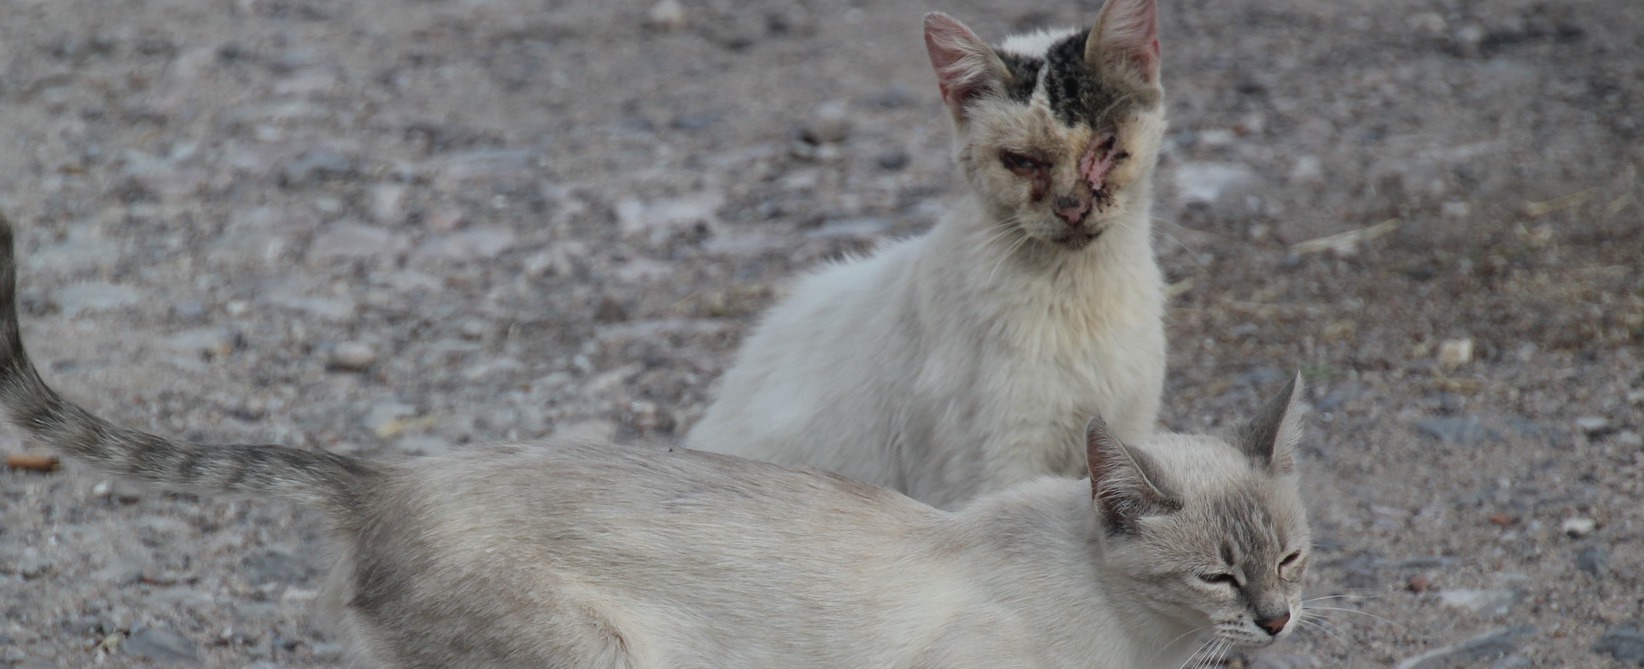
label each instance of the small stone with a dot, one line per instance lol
(86, 297)
(1503, 519)
(1630, 439)
(1209, 182)
(1490, 603)
(667, 15)
(1418, 583)
(1456, 209)
(474, 328)
(1454, 429)
(1592, 425)
(388, 419)
(1454, 353)
(1591, 560)
(1472, 652)
(475, 243)
(893, 160)
(352, 356)
(352, 240)
(1431, 24)
(316, 165)
(1624, 643)
(1579, 527)
(388, 203)
(1308, 169)
(830, 123)
(161, 645)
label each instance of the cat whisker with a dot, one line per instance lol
(1362, 613)
(1202, 647)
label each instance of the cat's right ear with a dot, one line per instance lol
(1122, 480)
(1270, 438)
(1125, 41)
(965, 65)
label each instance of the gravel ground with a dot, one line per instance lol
(385, 227)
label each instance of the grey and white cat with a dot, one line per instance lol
(592, 556)
(968, 358)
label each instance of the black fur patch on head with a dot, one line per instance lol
(1024, 75)
(1077, 93)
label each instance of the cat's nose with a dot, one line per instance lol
(1275, 624)
(1072, 210)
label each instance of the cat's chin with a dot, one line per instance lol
(1075, 240)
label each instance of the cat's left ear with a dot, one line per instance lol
(1123, 480)
(965, 65)
(1270, 438)
(1125, 41)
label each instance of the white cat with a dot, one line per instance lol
(597, 556)
(968, 358)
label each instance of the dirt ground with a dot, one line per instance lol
(389, 226)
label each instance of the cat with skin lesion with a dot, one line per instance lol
(968, 358)
(600, 556)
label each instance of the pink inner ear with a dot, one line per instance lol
(1093, 166)
(957, 72)
(1130, 31)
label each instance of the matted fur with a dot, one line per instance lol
(968, 358)
(596, 556)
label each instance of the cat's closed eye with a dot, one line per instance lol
(1021, 164)
(1220, 579)
(1290, 559)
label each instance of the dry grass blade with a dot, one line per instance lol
(1346, 243)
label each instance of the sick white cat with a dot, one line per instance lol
(596, 556)
(968, 358)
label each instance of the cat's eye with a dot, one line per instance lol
(1019, 163)
(1223, 578)
(1121, 156)
(1290, 559)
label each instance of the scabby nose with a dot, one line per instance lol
(1275, 624)
(1072, 210)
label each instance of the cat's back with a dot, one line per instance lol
(685, 556)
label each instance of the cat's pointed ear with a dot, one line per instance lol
(1123, 481)
(1125, 41)
(965, 65)
(1270, 438)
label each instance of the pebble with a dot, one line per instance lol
(1207, 183)
(1579, 527)
(1629, 439)
(1454, 353)
(667, 15)
(81, 298)
(352, 356)
(1592, 425)
(1464, 430)
(276, 566)
(1591, 560)
(161, 645)
(475, 243)
(1472, 652)
(388, 203)
(892, 160)
(830, 123)
(353, 240)
(1624, 643)
(1488, 603)
(316, 165)
(661, 219)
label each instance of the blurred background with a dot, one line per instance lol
(399, 227)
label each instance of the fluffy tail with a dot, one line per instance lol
(319, 479)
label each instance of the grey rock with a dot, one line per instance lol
(1207, 182)
(215, 341)
(162, 646)
(388, 202)
(1624, 643)
(276, 566)
(471, 244)
(893, 160)
(1592, 560)
(661, 219)
(1629, 439)
(1494, 644)
(1483, 602)
(316, 165)
(95, 296)
(1464, 430)
(352, 240)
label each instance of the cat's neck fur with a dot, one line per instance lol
(1050, 521)
(1031, 289)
